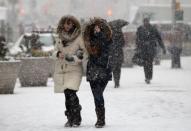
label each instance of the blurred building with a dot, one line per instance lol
(157, 13)
(44, 13)
(47, 12)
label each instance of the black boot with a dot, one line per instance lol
(147, 81)
(69, 117)
(100, 112)
(116, 86)
(74, 108)
(116, 83)
(76, 116)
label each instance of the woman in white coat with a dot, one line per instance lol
(68, 54)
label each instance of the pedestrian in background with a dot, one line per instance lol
(175, 48)
(116, 49)
(147, 37)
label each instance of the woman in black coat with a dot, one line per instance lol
(97, 38)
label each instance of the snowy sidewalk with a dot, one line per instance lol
(165, 105)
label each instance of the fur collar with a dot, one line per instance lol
(65, 36)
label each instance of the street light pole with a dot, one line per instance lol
(173, 12)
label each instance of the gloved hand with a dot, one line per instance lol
(79, 54)
(69, 58)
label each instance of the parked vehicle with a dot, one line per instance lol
(38, 41)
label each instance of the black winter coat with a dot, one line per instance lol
(117, 55)
(146, 41)
(98, 66)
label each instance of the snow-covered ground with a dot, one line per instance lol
(165, 105)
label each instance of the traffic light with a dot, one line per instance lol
(178, 7)
(179, 13)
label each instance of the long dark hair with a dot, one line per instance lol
(89, 34)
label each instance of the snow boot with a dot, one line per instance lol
(116, 81)
(147, 81)
(100, 112)
(116, 86)
(69, 117)
(76, 116)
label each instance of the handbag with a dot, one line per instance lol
(138, 58)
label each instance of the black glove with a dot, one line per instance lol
(79, 54)
(69, 58)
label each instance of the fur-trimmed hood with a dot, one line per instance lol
(89, 30)
(90, 27)
(65, 36)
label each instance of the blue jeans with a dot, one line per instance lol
(98, 87)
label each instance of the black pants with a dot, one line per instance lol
(148, 68)
(98, 87)
(175, 56)
(116, 74)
